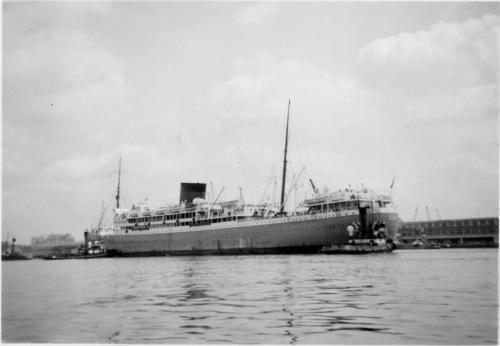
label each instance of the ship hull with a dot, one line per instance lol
(286, 235)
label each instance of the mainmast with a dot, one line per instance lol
(282, 204)
(118, 189)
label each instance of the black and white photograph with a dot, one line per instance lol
(250, 172)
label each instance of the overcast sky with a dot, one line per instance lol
(192, 91)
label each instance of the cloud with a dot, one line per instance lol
(447, 55)
(60, 71)
(256, 14)
(59, 84)
(420, 104)
(267, 83)
(61, 91)
(439, 90)
(327, 114)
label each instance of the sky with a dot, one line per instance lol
(198, 92)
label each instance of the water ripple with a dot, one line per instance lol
(408, 297)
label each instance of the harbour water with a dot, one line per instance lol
(444, 296)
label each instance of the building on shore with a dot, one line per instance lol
(54, 244)
(451, 232)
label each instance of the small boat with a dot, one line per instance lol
(78, 256)
(359, 246)
(13, 255)
(160, 211)
(56, 257)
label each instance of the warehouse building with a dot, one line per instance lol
(452, 232)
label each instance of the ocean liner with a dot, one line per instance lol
(199, 226)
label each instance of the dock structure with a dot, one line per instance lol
(451, 232)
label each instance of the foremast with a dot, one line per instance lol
(118, 188)
(282, 202)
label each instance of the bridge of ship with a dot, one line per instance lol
(351, 200)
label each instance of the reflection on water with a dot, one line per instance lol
(425, 296)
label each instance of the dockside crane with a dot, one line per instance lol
(438, 215)
(415, 215)
(428, 214)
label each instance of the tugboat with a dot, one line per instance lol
(360, 246)
(92, 248)
(12, 255)
(363, 238)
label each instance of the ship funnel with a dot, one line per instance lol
(190, 191)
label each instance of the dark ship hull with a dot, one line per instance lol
(281, 235)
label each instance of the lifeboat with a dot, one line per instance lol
(161, 211)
